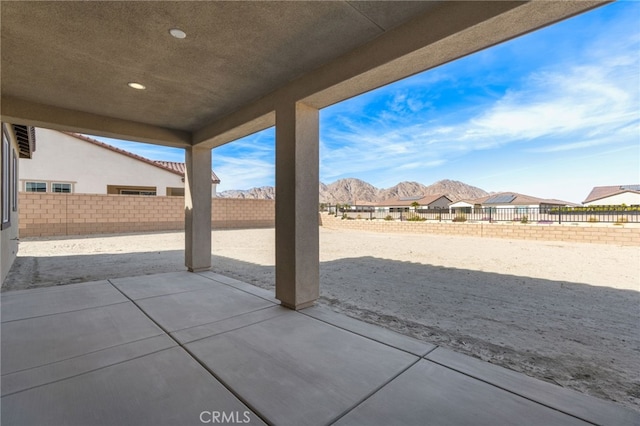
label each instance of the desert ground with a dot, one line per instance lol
(566, 313)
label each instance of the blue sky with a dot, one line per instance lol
(549, 114)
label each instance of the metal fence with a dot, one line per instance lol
(548, 215)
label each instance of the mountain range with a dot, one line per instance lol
(353, 190)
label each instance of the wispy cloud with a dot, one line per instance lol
(247, 162)
(563, 107)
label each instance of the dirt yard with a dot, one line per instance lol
(562, 312)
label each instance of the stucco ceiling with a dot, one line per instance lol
(80, 55)
(234, 52)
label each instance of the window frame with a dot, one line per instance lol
(27, 182)
(70, 191)
(5, 173)
(138, 192)
(14, 177)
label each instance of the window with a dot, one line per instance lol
(131, 190)
(4, 190)
(61, 187)
(134, 192)
(14, 182)
(35, 187)
(175, 192)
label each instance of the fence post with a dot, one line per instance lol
(559, 215)
(490, 215)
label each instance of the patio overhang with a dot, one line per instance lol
(66, 65)
(243, 67)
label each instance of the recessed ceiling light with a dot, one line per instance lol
(177, 33)
(136, 86)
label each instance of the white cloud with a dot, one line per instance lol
(242, 173)
(560, 109)
(246, 163)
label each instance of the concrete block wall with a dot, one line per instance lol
(45, 215)
(242, 213)
(609, 234)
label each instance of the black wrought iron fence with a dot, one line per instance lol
(548, 215)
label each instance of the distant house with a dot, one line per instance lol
(358, 207)
(73, 163)
(506, 200)
(405, 204)
(613, 196)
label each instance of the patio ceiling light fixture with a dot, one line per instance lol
(136, 86)
(177, 33)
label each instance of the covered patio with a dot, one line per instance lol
(197, 75)
(184, 348)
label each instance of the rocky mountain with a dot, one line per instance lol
(261, 193)
(348, 190)
(404, 189)
(355, 190)
(456, 190)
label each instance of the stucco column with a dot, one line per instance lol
(197, 209)
(297, 239)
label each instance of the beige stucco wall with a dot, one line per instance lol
(47, 215)
(63, 158)
(9, 235)
(628, 198)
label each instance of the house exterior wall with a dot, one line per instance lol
(47, 215)
(90, 168)
(511, 206)
(628, 198)
(440, 203)
(8, 202)
(460, 207)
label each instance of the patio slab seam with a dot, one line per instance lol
(163, 295)
(271, 299)
(221, 321)
(81, 355)
(511, 391)
(373, 392)
(196, 359)
(421, 355)
(88, 371)
(225, 319)
(65, 312)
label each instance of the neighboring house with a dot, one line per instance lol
(18, 142)
(69, 162)
(358, 206)
(506, 200)
(613, 196)
(405, 204)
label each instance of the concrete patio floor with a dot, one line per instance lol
(183, 348)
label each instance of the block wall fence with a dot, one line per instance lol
(48, 215)
(584, 233)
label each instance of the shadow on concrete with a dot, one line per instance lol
(576, 335)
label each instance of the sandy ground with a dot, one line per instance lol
(567, 313)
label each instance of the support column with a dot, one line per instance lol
(297, 235)
(197, 209)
